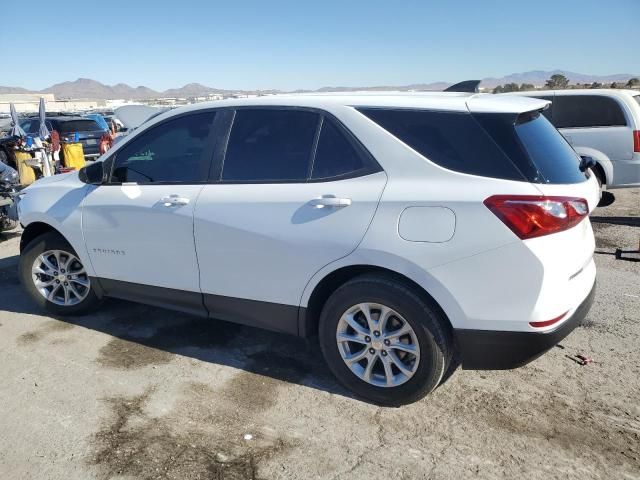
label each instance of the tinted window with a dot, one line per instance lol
(452, 140)
(549, 151)
(175, 151)
(335, 154)
(78, 126)
(534, 146)
(270, 145)
(574, 111)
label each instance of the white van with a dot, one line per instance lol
(603, 124)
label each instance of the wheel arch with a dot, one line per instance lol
(34, 230)
(309, 315)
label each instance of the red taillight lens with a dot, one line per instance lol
(636, 141)
(530, 216)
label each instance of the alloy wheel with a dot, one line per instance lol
(378, 344)
(60, 277)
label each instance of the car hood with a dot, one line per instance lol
(52, 179)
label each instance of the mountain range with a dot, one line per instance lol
(85, 88)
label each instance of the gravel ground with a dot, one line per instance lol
(139, 392)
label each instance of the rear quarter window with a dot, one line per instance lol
(584, 111)
(552, 156)
(523, 147)
(450, 139)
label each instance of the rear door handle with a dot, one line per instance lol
(330, 202)
(174, 200)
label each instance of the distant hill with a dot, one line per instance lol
(85, 88)
(539, 77)
(5, 90)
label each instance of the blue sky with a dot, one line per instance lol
(295, 44)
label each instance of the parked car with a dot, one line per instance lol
(603, 124)
(88, 130)
(405, 230)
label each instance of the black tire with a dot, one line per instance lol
(39, 245)
(431, 329)
(598, 171)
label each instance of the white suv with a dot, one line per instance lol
(602, 124)
(405, 230)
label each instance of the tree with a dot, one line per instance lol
(596, 85)
(511, 87)
(557, 82)
(527, 86)
(498, 89)
(614, 85)
(633, 82)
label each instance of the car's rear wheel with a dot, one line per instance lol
(55, 277)
(383, 340)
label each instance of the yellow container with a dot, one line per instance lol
(73, 155)
(26, 172)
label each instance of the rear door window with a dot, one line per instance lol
(336, 155)
(270, 145)
(450, 139)
(584, 111)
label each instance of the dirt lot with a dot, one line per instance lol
(138, 392)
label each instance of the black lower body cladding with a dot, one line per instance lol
(494, 350)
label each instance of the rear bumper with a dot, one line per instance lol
(500, 350)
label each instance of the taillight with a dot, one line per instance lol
(636, 141)
(530, 216)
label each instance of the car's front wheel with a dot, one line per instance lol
(383, 340)
(55, 277)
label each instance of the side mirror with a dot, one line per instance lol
(92, 174)
(586, 163)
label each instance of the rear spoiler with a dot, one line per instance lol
(488, 103)
(467, 86)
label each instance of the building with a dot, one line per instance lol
(29, 102)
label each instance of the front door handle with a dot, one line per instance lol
(174, 200)
(330, 202)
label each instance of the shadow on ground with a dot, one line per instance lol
(142, 336)
(626, 221)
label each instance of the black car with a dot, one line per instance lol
(88, 130)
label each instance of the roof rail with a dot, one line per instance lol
(467, 86)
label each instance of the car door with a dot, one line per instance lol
(295, 191)
(138, 226)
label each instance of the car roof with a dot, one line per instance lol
(445, 101)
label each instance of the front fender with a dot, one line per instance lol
(58, 205)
